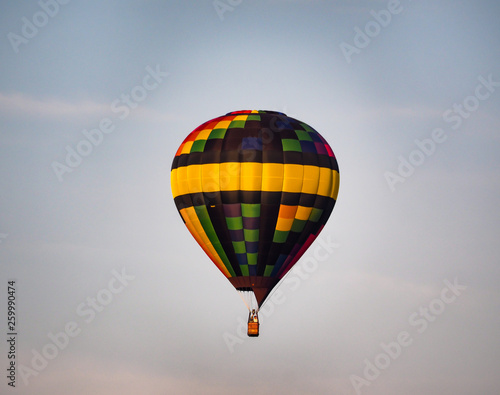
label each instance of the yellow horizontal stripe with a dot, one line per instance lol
(210, 177)
(173, 183)
(336, 185)
(251, 176)
(194, 178)
(311, 176)
(230, 174)
(272, 177)
(293, 178)
(325, 187)
(182, 183)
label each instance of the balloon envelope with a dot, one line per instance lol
(254, 188)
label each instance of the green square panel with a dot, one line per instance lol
(250, 210)
(239, 247)
(244, 270)
(291, 145)
(251, 234)
(234, 223)
(237, 124)
(198, 146)
(280, 236)
(303, 135)
(217, 134)
(315, 214)
(307, 127)
(253, 117)
(252, 258)
(298, 225)
(268, 270)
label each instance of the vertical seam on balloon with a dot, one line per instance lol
(231, 268)
(282, 193)
(279, 272)
(300, 193)
(286, 266)
(261, 187)
(220, 188)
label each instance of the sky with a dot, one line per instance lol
(399, 295)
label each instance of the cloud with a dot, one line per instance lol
(84, 374)
(20, 104)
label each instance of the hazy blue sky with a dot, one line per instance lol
(407, 94)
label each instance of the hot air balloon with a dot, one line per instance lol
(255, 189)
